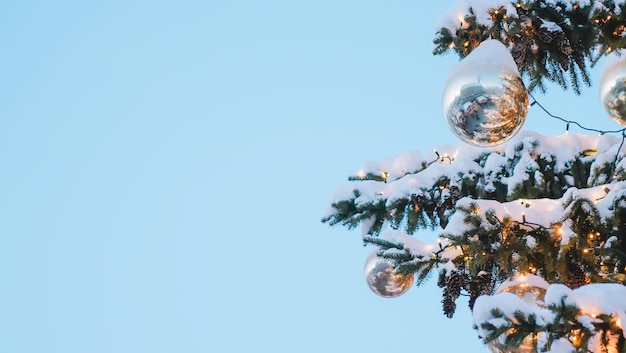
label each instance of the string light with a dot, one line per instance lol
(621, 131)
(461, 18)
(568, 122)
(558, 231)
(576, 338)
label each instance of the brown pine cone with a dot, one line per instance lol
(480, 285)
(451, 291)
(449, 306)
(576, 276)
(563, 44)
(454, 283)
(521, 44)
(545, 35)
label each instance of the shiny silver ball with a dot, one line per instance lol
(532, 290)
(613, 89)
(484, 99)
(383, 279)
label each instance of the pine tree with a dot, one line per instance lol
(549, 208)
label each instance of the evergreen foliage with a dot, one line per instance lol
(554, 207)
(519, 208)
(553, 41)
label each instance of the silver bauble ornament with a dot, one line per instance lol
(532, 290)
(613, 88)
(484, 99)
(383, 279)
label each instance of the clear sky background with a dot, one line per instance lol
(165, 165)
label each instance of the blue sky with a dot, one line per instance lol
(165, 166)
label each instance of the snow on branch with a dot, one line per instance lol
(585, 319)
(418, 192)
(549, 40)
(551, 206)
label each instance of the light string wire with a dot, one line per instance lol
(621, 131)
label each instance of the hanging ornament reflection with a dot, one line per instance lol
(382, 278)
(484, 100)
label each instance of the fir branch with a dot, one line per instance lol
(562, 319)
(548, 41)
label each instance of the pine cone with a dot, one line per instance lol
(518, 52)
(545, 35)
(449, 306)
(563, 44)
(480, 285)
(451, 291)
(576, 276)
(521, 44)
(454, 283)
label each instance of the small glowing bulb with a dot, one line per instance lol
(558, 231)
(462, 20)
(576, 340)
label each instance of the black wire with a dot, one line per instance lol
(601, 132)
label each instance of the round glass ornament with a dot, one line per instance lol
(532, 290)
(484, 100)
(382, 278)
(613, 88)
